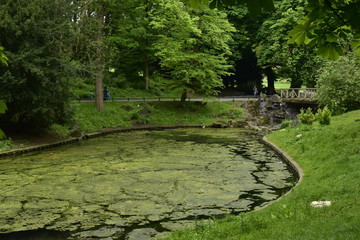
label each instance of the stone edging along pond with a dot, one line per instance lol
(294, 166)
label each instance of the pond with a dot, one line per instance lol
(137, 185)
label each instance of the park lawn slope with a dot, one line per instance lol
(127, 114)
(330, 159)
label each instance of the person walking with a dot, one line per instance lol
(255, 90)
(108, 95)
(105, 93)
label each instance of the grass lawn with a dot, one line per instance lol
(118, 114)
(127, 114)
(281, 84)
(330, 159)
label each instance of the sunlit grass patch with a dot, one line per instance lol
(330, 158)
(118, 114)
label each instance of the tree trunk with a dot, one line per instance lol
(99, 100)
(271, 77)
(296, 81)
(183, 97)
(146, 56)
(146, 71)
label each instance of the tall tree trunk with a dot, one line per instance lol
(271, 77)
(183, 97)
(99, 100)
(296, 81)
(146, 71)
(146, 56)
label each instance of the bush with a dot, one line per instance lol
(285, 124)
(323, 116)
(306, 117)
(6, 145)
(339, 84)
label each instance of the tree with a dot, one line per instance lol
(3, 58)
(246, 71)
(339, 84)
(92, 20)
(192, 46)
(298, 63)
(37, 36)
(132, 38)
(332, 25)
(3, 108)
(254, 6)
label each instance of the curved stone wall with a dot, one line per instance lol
(294, 166)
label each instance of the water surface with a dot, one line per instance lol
(137, 185)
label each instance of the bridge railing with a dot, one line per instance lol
(298, 93)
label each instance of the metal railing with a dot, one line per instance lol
(174, 99)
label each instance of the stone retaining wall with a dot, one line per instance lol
(294, 166)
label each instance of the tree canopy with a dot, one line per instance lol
(192, 48)
(50, 48)
(36, 39)
(332, 25)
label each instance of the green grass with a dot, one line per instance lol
(282, 83)
(330, 158)
(117, 114)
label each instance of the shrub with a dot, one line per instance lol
(6, 145)
(285, 124)
(306, 117)
(323, 116)
(339, 84)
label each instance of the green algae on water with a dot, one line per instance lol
(158, 180)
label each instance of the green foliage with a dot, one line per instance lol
(192, 46)
(3, 58)
(339, 84)
(37, 36)
(331, 25)
(306, 116)
(255, 6)
(132, 39)
(298, 63)
(3, 108)
(286, 124)
(323, 116)
(6, 145)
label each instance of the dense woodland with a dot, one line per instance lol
(50, 48)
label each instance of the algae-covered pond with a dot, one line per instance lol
(137, 185)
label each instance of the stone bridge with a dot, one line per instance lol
(299, 95)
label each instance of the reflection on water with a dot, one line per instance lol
(137, 185)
